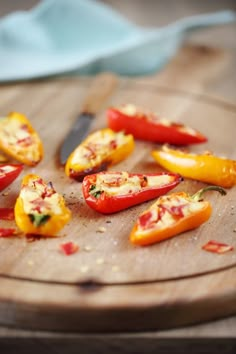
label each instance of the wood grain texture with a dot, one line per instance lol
(169, 284)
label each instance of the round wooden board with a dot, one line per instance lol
(110, 285)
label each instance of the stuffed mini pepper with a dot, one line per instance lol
(148, 126)
(39, 209)
(204, 167)
(19, 140)
(8, 173)
(97, 152)
(171, 215)
(109, 192)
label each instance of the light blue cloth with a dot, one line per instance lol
(86, 36)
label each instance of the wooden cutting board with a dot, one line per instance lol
(110, 285)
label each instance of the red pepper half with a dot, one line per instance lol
(148, 126)
(8, 173)
(109, 192)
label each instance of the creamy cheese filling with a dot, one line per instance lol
(97, 147)
(133, 111)
(15, 135)
(13, 131)
(119, 184)
(122, 184)
(39, 199)
(6, 169)
(129, 109)
(188, 130)
(153, 181)
(160, 219)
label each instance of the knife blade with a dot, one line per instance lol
(101, 88)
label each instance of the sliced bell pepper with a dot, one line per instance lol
(109, 192)
(203, 167)
(97, 152)
(148, 126)
(39, 209)
(19, 140)
(171, 215)
(8, 173)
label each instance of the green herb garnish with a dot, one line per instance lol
(39, 219)
(94, 191)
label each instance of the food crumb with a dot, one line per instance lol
(30, 263)
(84, 269)
(88, 248)
(101, 229)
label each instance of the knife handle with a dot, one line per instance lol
(100, 89)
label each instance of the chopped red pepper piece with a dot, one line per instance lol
(69, 248)
(7, 214)
(148, 126)
(217, 247)
(7, 232)
(8, 173)
(109, 192)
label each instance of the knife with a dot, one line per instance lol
(101, 88)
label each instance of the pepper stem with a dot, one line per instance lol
(198, 196)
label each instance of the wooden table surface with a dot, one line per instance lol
(147, 13)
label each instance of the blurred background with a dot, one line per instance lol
(157, 13)
(144, 13)
(154, 13)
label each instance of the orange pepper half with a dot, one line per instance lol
(171, 215)
(39, 209)
(205, 167)
(19, 140)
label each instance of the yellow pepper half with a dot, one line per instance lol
(19, 140)
(97, 152)
(39, 209)
(203, 167)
